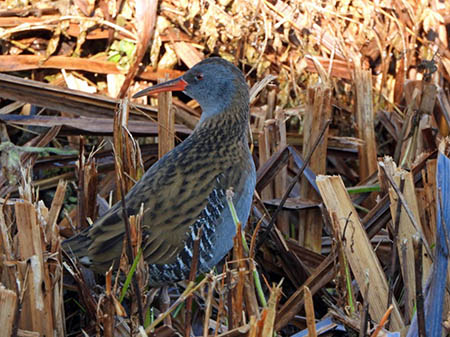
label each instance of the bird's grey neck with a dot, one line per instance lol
(233, 120)
(230, 112)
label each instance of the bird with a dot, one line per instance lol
(186, 188)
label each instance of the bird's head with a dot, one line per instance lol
(214, 83)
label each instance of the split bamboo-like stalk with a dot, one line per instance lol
(37, 314)
(406, 229)
(127, 152)
(310, 316)
(363, 260)
(270, 312)
(273, 139)
(8, 304)
(318, 111)
(365, 121)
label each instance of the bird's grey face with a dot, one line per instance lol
(213, 85)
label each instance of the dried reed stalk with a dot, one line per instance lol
(358, 249)
(406, 229)
(37, 313)
(365, 121)
(310, 316)
(8, 305)
(318, 111)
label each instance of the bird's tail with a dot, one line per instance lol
(78, 245)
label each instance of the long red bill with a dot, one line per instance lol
(177, 84)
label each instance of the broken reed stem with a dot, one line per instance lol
(362, 259)
(269, 313)
(318, 109)
(192, 274)
(364, 113)
(229, 300)
(238, 255)
(394, 247)
(229, 277)
(238, 289)
(107, 308)
(418, 246)
(238, 293)
(310, 316)
(121, 159)
(130, 251)
(256, 278)
(8, 305)
(294, 180)
(402, 199)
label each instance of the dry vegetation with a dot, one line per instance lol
(365, 85)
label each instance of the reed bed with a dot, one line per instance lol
(350, 114)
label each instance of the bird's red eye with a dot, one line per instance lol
(199, 77)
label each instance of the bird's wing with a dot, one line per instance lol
(173, 192)
(201, 205)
